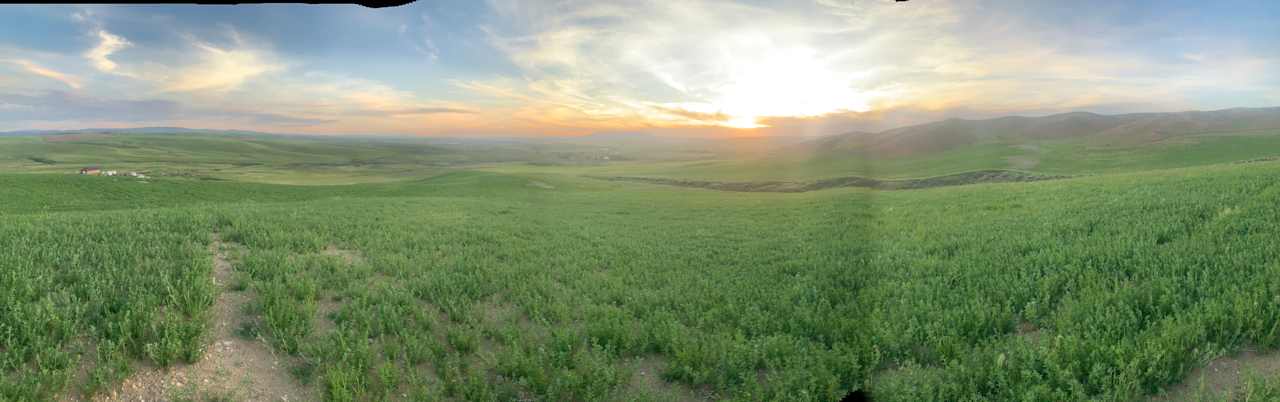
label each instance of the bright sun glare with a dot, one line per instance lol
(789, 82)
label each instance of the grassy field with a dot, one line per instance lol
(532, 282)
(286, 160)
(223, 157)
(338, 161)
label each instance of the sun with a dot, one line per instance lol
(743, 79)
(785, 83)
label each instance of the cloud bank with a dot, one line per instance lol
(698, 67)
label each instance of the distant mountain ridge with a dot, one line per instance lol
(1122, 129)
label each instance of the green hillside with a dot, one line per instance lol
(283, 159)
(473, 285)
(411, 269)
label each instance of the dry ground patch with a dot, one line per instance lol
(1223, 377)
(232, 367)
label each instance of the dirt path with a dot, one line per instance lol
(232, 367)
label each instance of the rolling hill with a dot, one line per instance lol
(1114, 130)
(1062, 144)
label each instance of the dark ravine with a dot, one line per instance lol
(974, 177)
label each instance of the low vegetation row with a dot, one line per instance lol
(974, 177)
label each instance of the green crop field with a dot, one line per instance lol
(498, 279)
(641, 200)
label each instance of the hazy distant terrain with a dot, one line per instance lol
(1094, 129)
(1064, 144)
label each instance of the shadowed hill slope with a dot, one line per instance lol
(975, 177)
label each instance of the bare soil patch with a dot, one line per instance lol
(542, 185)
(497, 314)
(1029, 160)
(646, 379)
(347, 256)
(232, 367)
(84, 366)
(325, 308)
(1222, 376)
(1022, 162)
(1028, 331)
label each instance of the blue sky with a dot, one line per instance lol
(506, 67)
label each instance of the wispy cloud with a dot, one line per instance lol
(61, 106)
(221, 69)
(420, 39)
(108, 44)
(33, 68)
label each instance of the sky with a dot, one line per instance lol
(680, 68)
